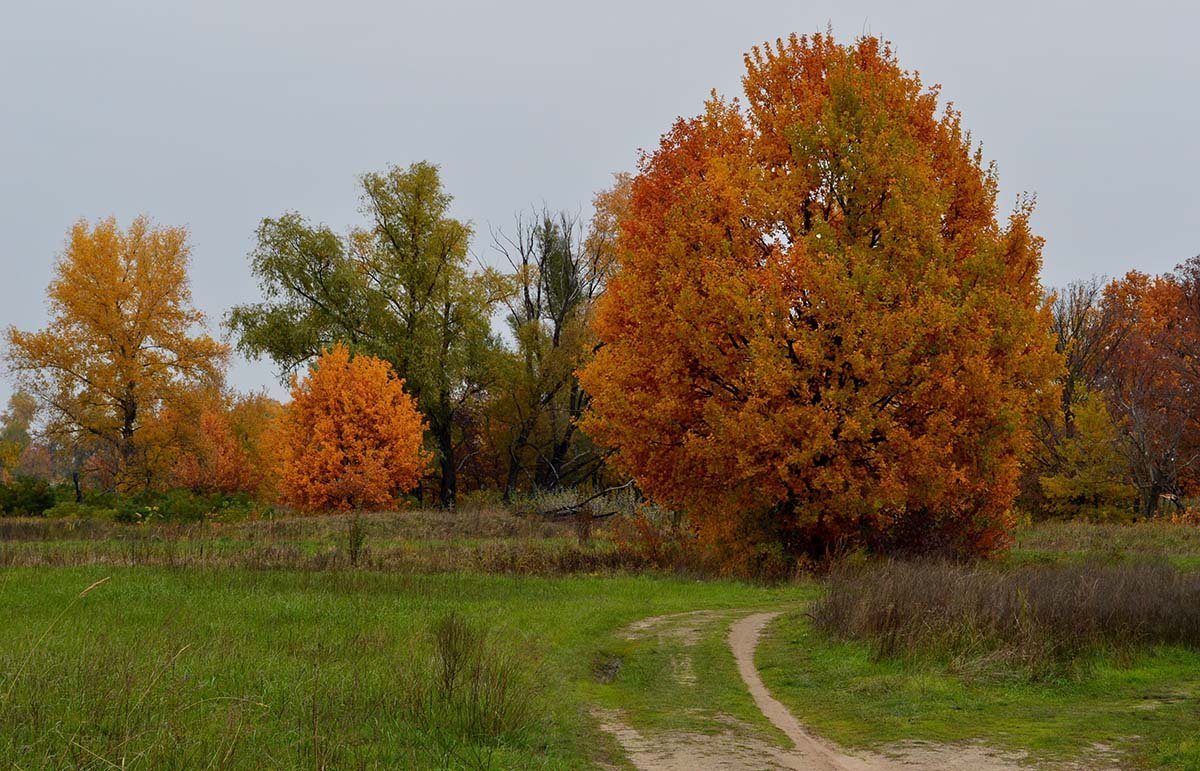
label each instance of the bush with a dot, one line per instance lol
(1035, 621)
(26, 495)
(663, 540)
(182, 506)
(73, 510)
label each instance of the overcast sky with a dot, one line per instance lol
(215, 114)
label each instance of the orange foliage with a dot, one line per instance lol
(230, 448)
(351, 437)
(1150, 380)
(820, 336)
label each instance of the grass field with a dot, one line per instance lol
(486, 641)
(1122, 708)
(203, 667)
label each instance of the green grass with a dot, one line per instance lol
(1138, 708)
(1072, 541)
(256, 645)
(231, 668)
(1145, 709)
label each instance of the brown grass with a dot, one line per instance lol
(487, 541)
(1034, 621)
(418, 524)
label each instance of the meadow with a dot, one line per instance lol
(261, 644)
(484, 640)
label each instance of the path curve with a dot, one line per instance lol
(736, 751)
(810, 752)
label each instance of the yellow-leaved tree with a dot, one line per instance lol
(123, 341)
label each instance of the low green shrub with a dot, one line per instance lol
(73, 510)
(26, 496)
(183, 506)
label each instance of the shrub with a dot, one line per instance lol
(26, 495)
(73, 510)
(1038, 621)
(662, 539)
(179, 506)
(1188, 516)
(351, 436)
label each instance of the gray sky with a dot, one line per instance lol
(215, 114)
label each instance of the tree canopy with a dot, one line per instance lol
(123, 341)
(820, 335)
(351, 437)
(399, 288)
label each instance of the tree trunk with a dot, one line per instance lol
(78, 489)
(447, 496)
(1068, 408)
(1150, 501)
(550, 476)
(128, 453)
(514, 459)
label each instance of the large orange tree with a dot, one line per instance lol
(820, 335)
(351, 437)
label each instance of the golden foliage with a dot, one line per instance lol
(1092, 475)
(121, 342)
(221, 444)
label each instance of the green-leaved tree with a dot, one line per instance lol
(399, 287)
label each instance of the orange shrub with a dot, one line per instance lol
(351, 437)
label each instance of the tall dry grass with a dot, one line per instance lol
(1031, 621)
(424, 541)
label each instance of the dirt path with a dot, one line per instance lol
(737, 747)
(808, 751)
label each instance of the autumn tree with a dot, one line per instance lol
(1185, 333)
(16, 424)
(559, 268)
(351, 437)
(1150, 384)
(1086, 335)
(399, 288)
(123, 341)
(1091, 476)
(819, 334)
(220, 443)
